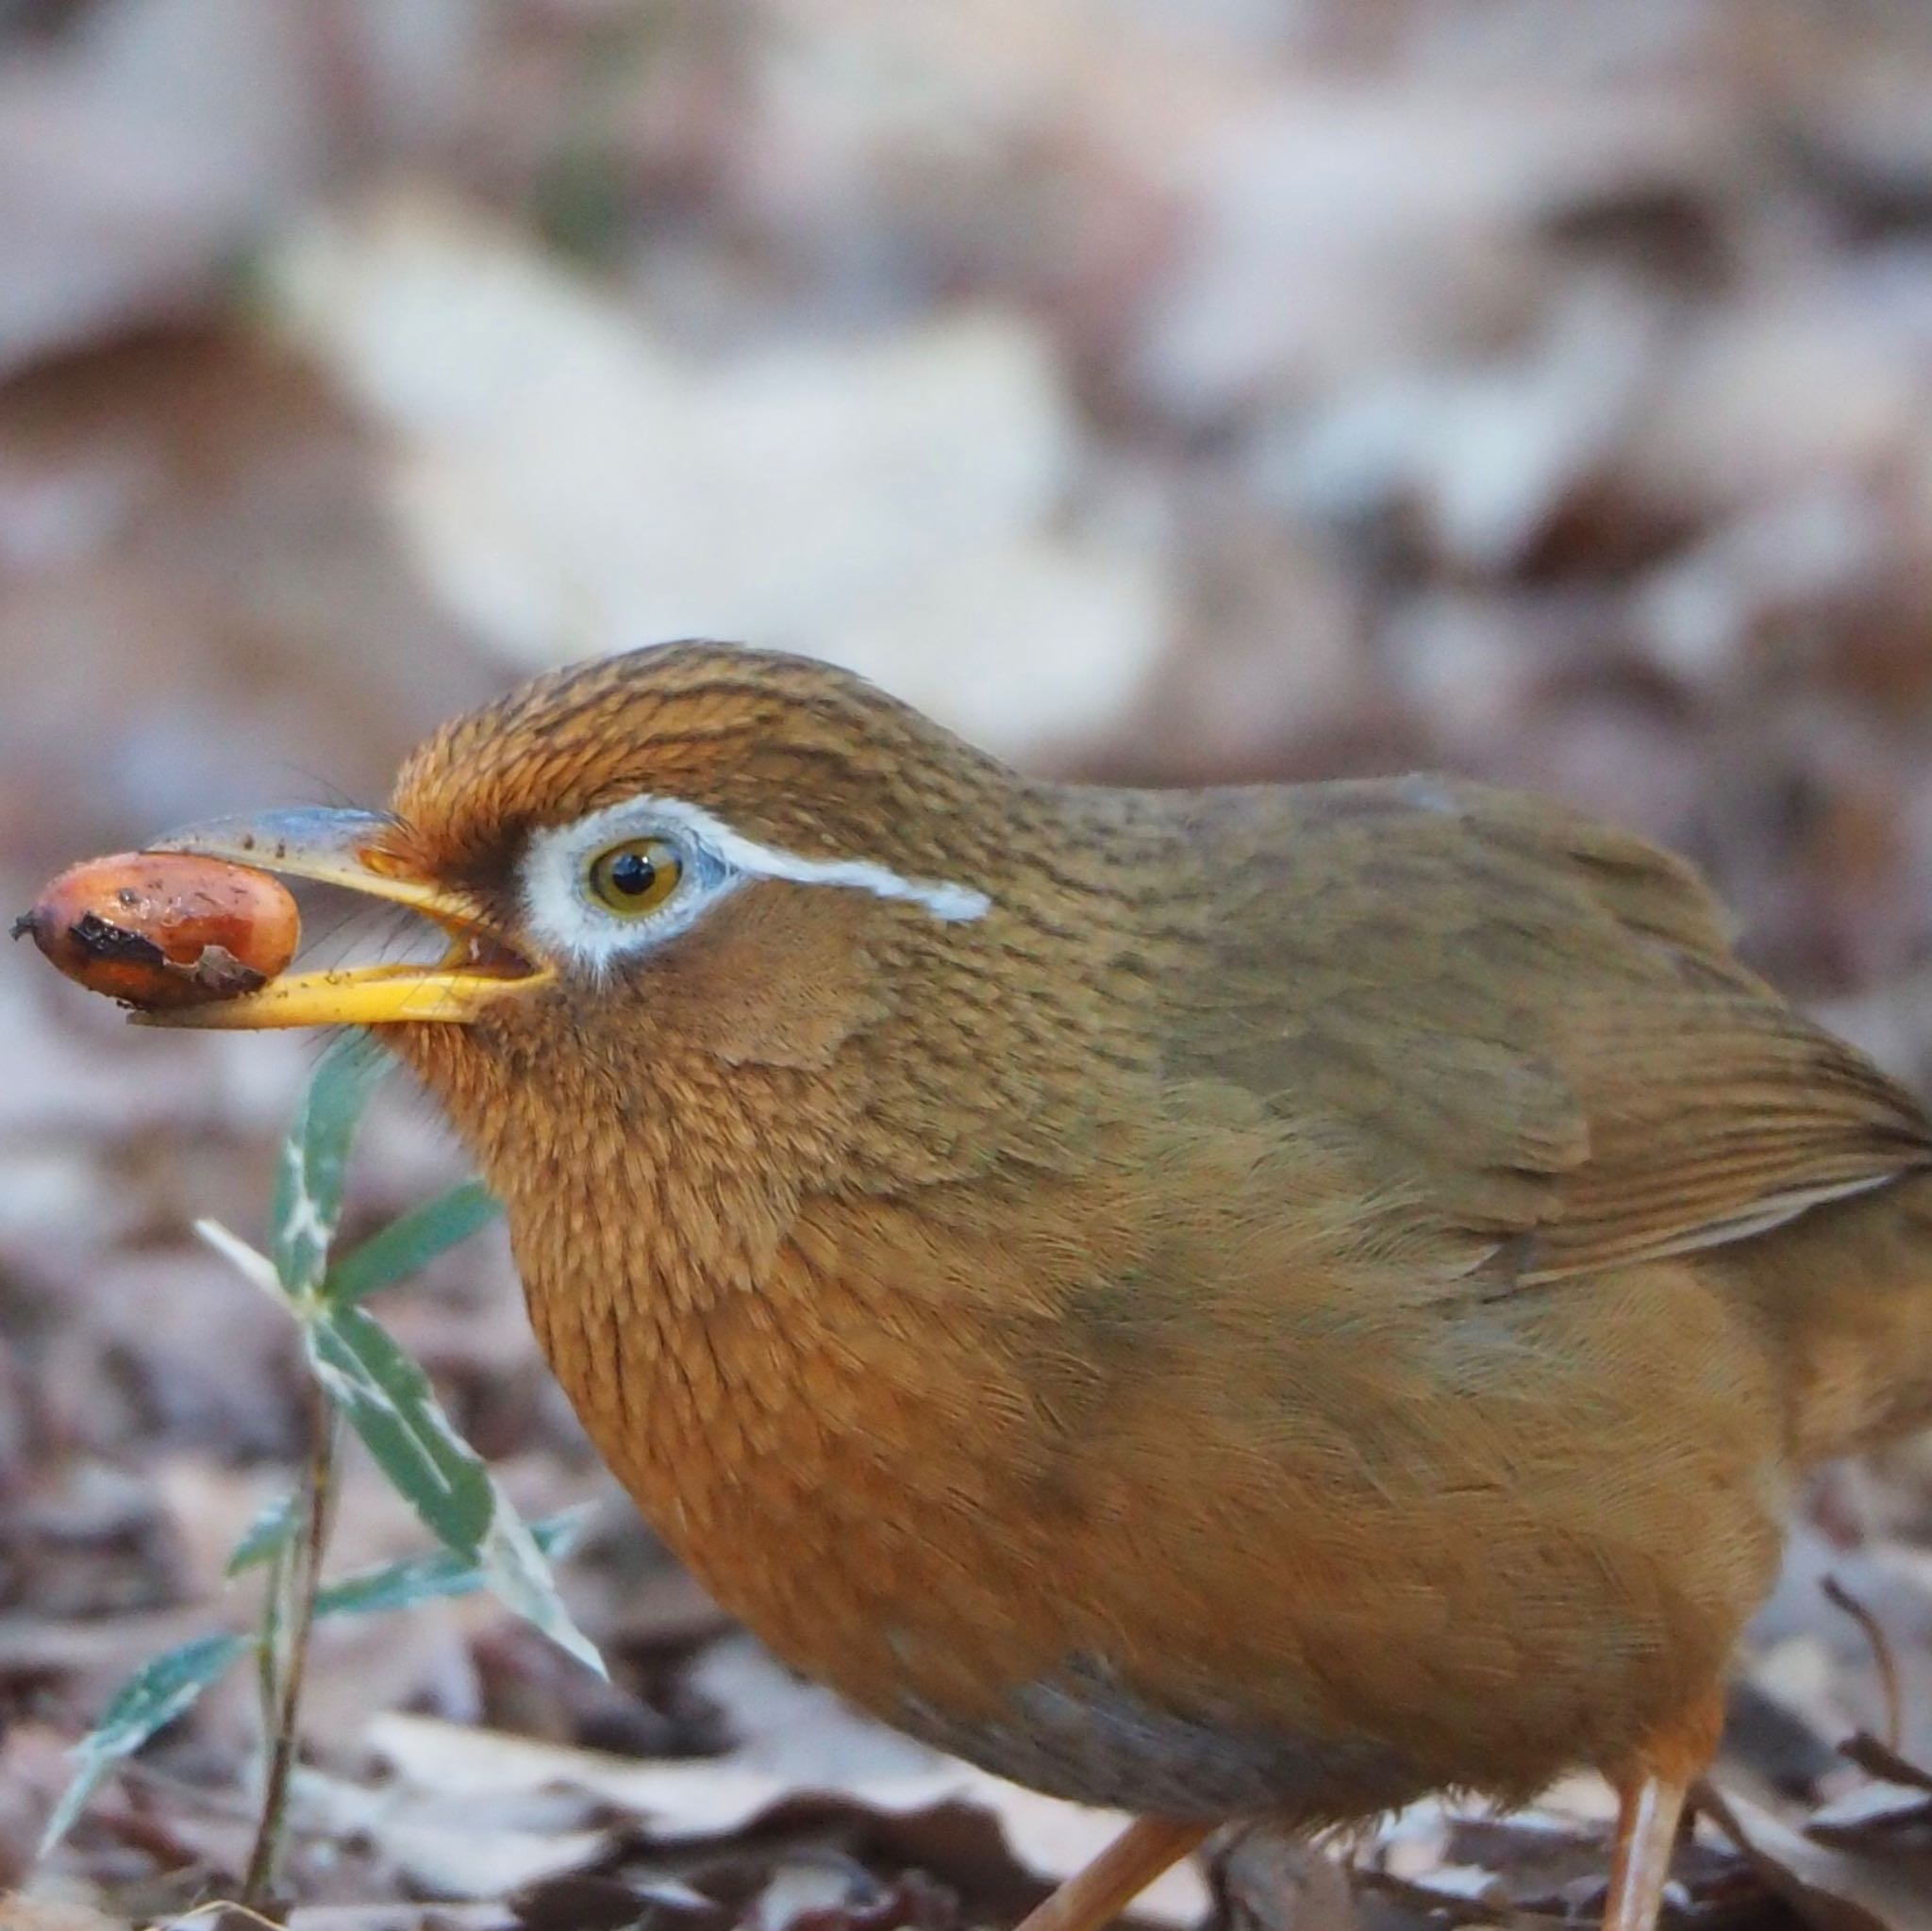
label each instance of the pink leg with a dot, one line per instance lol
(1099, 1894)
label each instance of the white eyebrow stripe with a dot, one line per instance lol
(566, 921)
(951, 903)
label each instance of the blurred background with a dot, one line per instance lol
(1161, 391)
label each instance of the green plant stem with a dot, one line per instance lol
(277, 1590)
(317, 1496)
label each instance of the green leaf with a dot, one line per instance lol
(519, 1579)
(267, 1535)
(387, 1399)
(400, 1585)
(389, 1402)
(426, 1578)
(309, 1181)
(411, 1242)
(152, 1698)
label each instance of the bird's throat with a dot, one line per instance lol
(764, 1365)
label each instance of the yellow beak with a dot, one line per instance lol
(345, 848)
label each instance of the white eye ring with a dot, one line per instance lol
(567, 922)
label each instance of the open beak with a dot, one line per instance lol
(345, 848)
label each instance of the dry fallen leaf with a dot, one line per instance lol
(912, 505)
(1831, 1889)
(719, 1797)
(19, 1912)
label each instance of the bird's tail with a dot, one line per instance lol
(1845, 1295)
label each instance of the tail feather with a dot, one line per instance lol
(1845, 1295)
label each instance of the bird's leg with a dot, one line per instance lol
(1099, 1891)
(1646, 1835)
(1650, 1807)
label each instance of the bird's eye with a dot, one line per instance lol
(634, 877)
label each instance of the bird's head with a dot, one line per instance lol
(692, 857)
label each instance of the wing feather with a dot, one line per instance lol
(1535, 1019)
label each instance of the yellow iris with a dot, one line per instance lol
(635, 877)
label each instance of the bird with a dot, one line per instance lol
(1256, 1304)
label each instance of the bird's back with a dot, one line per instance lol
(1533, 1027)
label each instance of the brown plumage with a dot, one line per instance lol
(1318, 1294)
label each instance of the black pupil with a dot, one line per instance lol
(632, 873)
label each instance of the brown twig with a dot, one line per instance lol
(1883, 1661)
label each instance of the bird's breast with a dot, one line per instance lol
(838, 1446)
(869, 1470)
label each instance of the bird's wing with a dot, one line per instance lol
(1535, 1020)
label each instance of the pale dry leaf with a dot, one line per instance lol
(804, 1887)
(716, 1797)
(343, 1805)
(1486, 454)
(909, 503)
(1869, 1815)
(1273, 1883)
(796, 1730)
(441, 1916)
(422, 1659)
(447, 1862)
(1336, 231)
(20, 1913)
(166, 132)
(1833, 1888)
